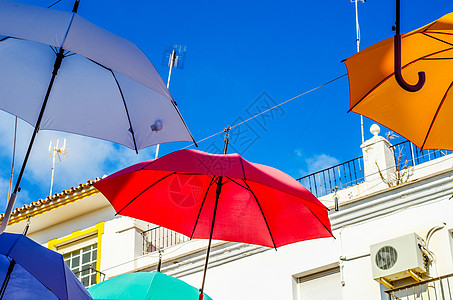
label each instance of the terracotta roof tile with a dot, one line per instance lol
(51, 199)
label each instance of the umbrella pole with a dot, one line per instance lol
(56, 67)
(217, 195)
(12, 263)
(12, 199)
(159, 264)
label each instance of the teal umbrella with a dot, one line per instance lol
(144, 286)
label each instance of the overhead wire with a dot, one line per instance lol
(269, 109)
(53, 4)
(259, 114)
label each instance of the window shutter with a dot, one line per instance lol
(324, 285)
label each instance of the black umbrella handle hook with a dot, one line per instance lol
(397, 50)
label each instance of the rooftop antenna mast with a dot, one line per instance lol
(174, 55)
(357, 27)
(54, 152)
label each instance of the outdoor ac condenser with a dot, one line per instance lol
(398, 258)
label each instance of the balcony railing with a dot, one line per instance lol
(351, 172)
(340, 176)
(440, 288)
(159, 238)
(88, 271)
(408, 155)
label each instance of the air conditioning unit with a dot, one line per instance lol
(397, 259)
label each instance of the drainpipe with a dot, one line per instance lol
(430, 253)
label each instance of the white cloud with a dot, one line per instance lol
(298, 153)
(4, 188)
(4, 184)
(320, 162)
(88, 158)
(314, 163)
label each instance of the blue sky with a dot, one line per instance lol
(242, 57)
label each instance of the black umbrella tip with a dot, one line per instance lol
(76, 6)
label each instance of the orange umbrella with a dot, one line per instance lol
(421, 113)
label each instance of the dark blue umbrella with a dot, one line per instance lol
(31, 271)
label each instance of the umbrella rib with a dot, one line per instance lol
(10, 268)
(426, 57)
(305, 206)
(262, 213)
(437, 39)
(371, 90)
(156, 182)
(429, 26)
(13, 245)
(67, 29)
(172, 102)
(435, 116)
(95, 62)
(439, 58)
(131, 130)
(184, 122)
(202, 203)
(68, 55)
(54, 49)
(12, 263)
(245, 187)
(65, 279)
(147, 165)
(243, 169)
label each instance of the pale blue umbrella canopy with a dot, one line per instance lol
(60, 72)
(106, 87)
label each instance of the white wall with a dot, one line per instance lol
(269, 275)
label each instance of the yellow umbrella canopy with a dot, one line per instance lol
(424, 117)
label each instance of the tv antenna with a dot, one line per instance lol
(174, 56)
(56, 151)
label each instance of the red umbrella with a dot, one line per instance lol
(222, 197)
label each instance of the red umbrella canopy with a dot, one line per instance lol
(257, 204)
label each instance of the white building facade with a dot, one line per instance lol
(393, 228)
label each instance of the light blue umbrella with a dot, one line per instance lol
(144, 286)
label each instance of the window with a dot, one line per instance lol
(81, 252)
(325, 285)
(82, 263)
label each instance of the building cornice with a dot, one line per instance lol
(194, 261)
(390, 200)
